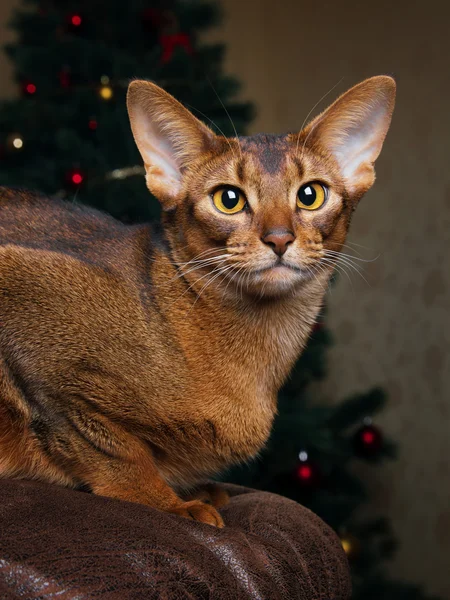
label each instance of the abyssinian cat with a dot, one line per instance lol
(138, 360)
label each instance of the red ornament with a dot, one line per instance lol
(172, 41)
(92, 124)
(367, 440)
(307, 472)
(75, 177)
(76, 20)
(29, 88)
(74, 23)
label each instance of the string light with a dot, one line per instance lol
(106, 92)
(75, 177)
(15, 141)
(30, 88)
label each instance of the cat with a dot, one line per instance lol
(137, 360)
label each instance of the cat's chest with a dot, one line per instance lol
(211, 440)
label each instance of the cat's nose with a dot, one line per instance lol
(278, 240)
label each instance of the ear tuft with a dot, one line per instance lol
(353, 130)
(168, 137)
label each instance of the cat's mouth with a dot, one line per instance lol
(279, 267)
(278, 278)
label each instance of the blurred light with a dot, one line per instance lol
(77, 178)
(304, 472)
(106, 92)
(368, 437)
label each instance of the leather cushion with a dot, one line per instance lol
(60, 543)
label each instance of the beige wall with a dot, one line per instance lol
(394, 330)
(7, 87)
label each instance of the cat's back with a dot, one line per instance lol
(36, 222)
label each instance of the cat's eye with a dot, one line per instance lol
(311, 196)
(229, 200)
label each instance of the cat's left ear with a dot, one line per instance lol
(353, 129)
(168, 137)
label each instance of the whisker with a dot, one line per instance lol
(360, 245)
(340, 268)
(246, 264)
(228, 115)
(196, 281)
(208, 251)
(350, 265)
(215, 125)
(353, 257)
(222, 271)
(200, 265)
(314, 107)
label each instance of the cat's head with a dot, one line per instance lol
(265, 213)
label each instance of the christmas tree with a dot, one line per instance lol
(69, 133)
(68, 136)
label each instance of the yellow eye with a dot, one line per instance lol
(229, 200)
(311, 196)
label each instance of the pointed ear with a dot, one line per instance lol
(168, 137)
(353, 129)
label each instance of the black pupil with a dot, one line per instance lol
(307, 195)
(230, 198)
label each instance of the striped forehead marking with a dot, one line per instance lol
(270, 150)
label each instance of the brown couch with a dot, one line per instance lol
(62, 544)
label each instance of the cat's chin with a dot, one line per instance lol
(278, 280)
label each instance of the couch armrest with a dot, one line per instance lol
(59, 543)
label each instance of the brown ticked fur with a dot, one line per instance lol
(124, 366)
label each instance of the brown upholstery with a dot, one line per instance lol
(59, 543)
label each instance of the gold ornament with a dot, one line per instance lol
(351, 545)
(106, 92)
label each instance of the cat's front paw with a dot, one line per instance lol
(198, 511)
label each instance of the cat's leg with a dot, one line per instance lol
(21, 454)
(209, 492)
(135, 478)
(138, 480)
(112, 462)
(84, 449)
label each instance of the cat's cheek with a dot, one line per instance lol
(214, 225)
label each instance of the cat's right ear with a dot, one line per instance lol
(353, 129)
(168, 137)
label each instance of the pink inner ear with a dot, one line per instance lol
(359, 148)
(354, 134)
(156, 149)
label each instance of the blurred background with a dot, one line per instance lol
(389, 327)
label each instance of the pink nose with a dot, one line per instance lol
(279, 240)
